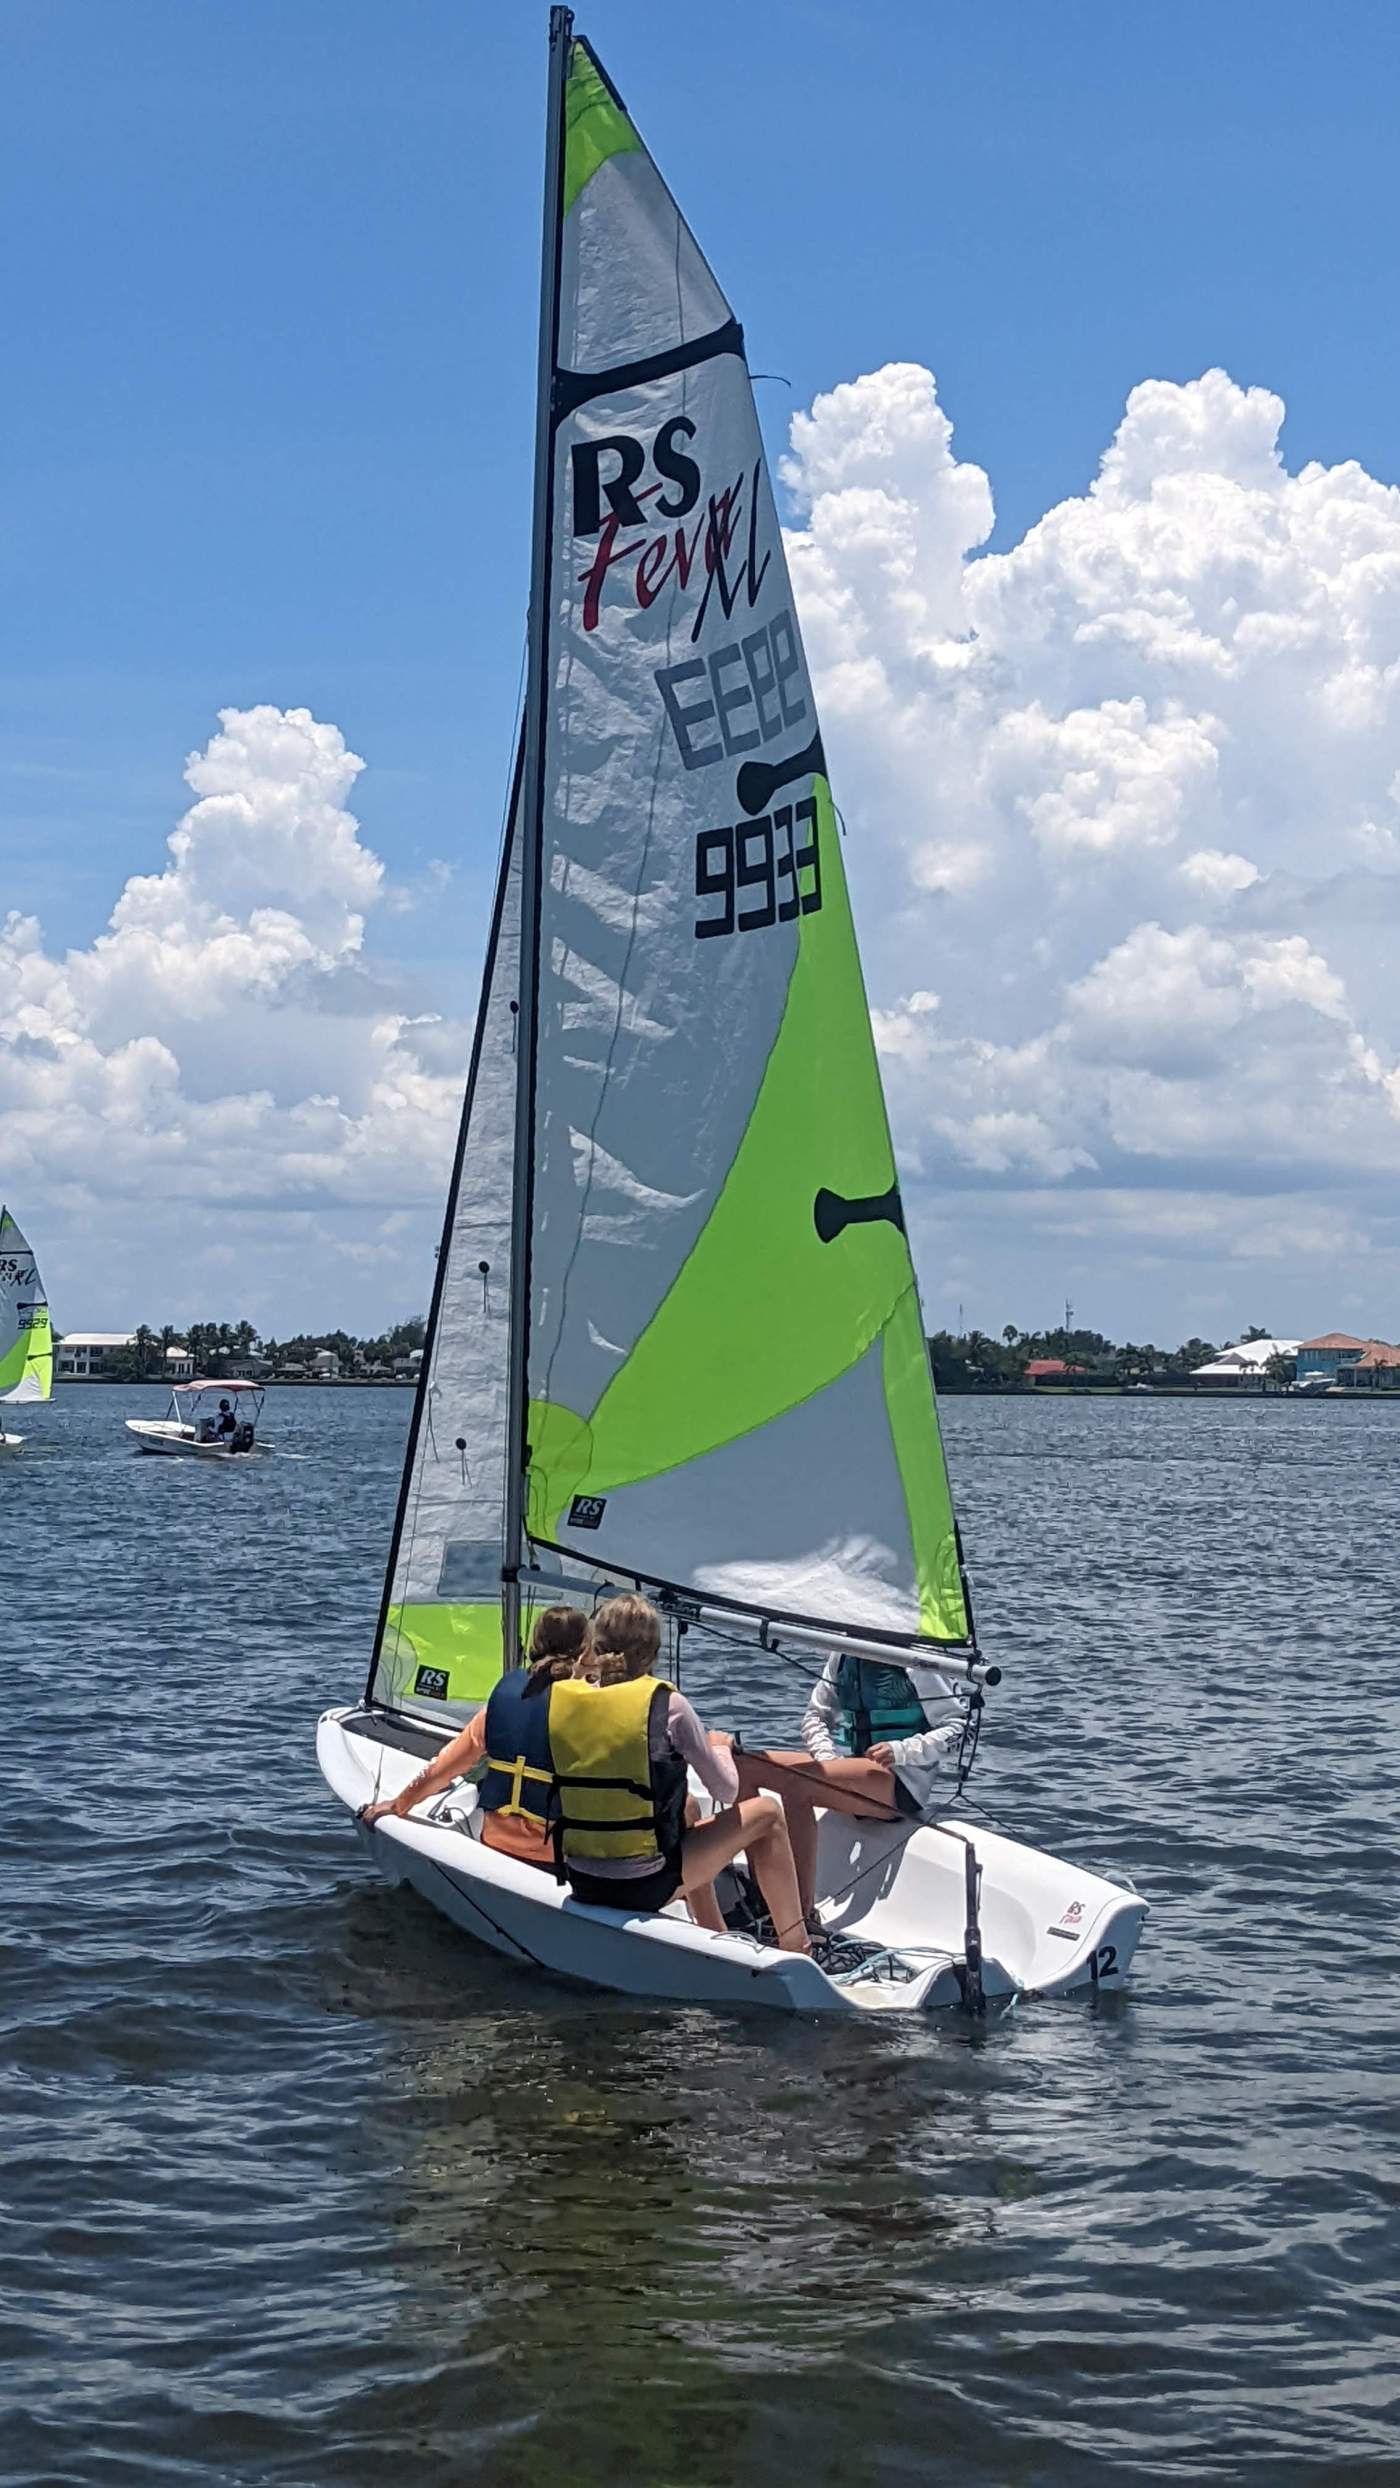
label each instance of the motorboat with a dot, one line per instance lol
(206, 1421)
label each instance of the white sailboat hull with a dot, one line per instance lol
(10, 1442)
(179, 1442)
(1048, 1928)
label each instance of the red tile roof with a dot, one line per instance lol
(1335, 1339)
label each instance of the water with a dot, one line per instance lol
(298, 2187)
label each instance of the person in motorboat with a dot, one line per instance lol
(620, 1749)
(511, 1735)
(227, 1423)
(869, 1751)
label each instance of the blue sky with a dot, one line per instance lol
(269, 308)
(268, 327)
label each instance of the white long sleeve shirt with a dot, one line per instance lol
(919, 1761)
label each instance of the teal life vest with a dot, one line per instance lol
(878, 1704)
(519, 1774)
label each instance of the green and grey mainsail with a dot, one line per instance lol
(26, 1333)
(728, 1375)
(720, 1374)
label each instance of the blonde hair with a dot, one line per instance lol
(626, 1638)
(560, 1643)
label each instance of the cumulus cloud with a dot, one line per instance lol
(1139, 778)
(1124, 813)
(221, 1061)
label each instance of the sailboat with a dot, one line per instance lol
(675, 1341)
(26, 1333)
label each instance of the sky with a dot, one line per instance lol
(1085, 368)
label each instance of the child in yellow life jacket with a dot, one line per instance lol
(620, 1751)
(511, 1736)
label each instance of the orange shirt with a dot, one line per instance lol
(505, 1832)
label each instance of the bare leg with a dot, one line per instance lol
(849, 1785)
(755, 1825)
(702, 1902)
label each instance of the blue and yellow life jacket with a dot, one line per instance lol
(621, 1790)
(519, 1775)
(878, 1704)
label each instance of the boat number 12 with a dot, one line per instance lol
(1103, 1963)
(758, 872)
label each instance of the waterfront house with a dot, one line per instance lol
(1377, 1370)
(1334, 1354)
(1246, 1367)
(91, 1355)
(86, 1355)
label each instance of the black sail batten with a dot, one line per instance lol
(573, 389)
(424, 1385)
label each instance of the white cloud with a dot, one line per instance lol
(221, 1060)
(1124, 811)
(1141, 778)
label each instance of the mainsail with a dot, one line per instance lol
(26, 1333)
(729, 1388)
(691, 1259)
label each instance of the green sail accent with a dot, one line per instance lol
(462, 1641)
(13, 1362)
(594, 126)
(38, 1342)
(794, 1312)
(913, 1416)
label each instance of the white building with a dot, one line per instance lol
(85, 1355)
(1247, 1366)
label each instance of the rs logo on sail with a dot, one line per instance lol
(610, 471)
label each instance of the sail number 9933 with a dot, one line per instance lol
(759, 872)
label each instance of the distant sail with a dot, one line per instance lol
(439, 1645)
(728, 1375)
(26, 1333)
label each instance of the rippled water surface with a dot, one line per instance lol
(297, 2186)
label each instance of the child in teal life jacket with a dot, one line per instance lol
(869, 1751)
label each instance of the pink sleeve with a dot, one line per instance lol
(713, 1765)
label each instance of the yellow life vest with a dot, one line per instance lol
(615, 1799)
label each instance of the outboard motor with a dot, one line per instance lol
(242, 1436)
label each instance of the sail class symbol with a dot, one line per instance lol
(832, 1212)
(759, 780)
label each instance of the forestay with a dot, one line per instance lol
(729, 1389)
(26, 1333)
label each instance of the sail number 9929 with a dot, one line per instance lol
(758, 872)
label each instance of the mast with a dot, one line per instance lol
(532, 828)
